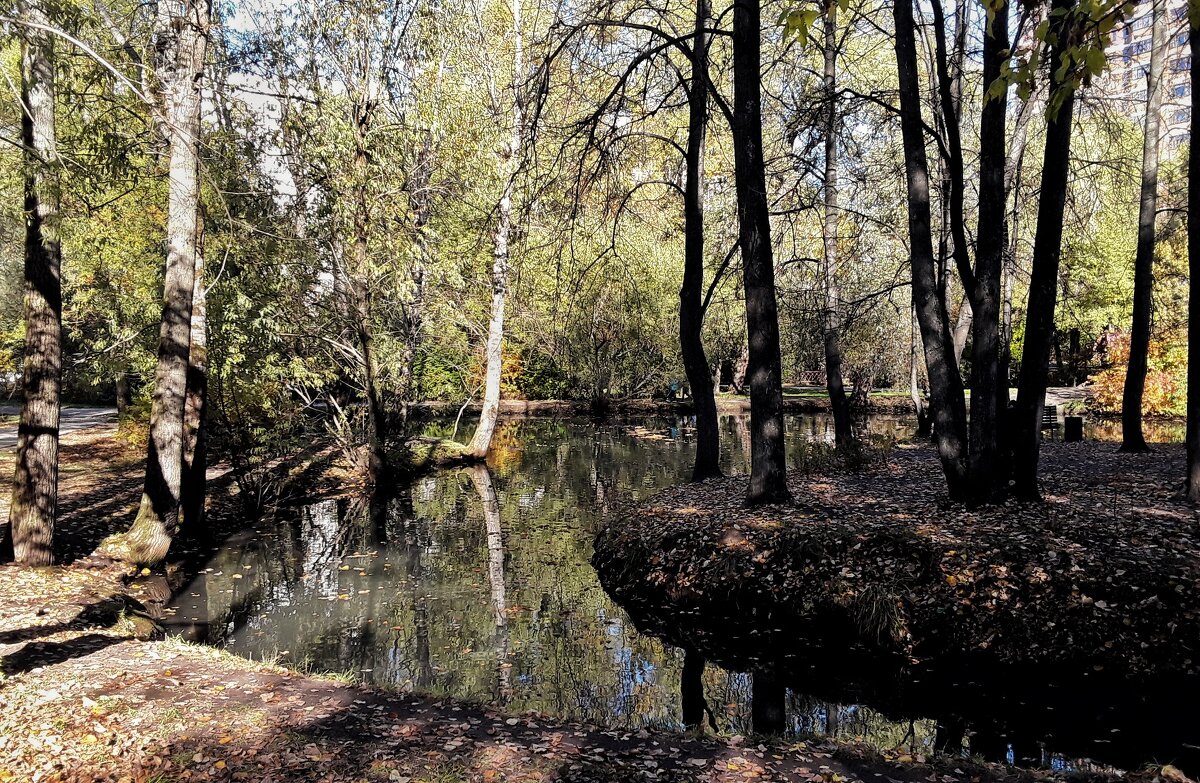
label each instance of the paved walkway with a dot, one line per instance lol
(72, 419)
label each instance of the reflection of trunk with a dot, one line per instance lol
(691, 689)
(988, 482)
(767, 711)
(1193, 243)
(691, 306)
(948, 737)
(482, 439)
(1132, 437)
(833, 720)
(768, 474)
(481, 477)
(35, 482)
(945, 383)
(1043, 284)
(157, 521)
(831, 314)
(195, 444)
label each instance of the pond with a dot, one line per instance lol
(476, 584)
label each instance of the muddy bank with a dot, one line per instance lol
(1074, 621)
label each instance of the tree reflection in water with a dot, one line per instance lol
(477, 584)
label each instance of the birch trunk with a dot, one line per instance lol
(157, 522)
(494, 351)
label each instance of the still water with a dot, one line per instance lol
(477, 584)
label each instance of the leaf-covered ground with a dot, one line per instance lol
(1107, 569)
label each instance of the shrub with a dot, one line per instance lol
(1166, 377)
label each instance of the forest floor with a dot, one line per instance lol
(1106, 569)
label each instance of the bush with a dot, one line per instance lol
(1166, 377)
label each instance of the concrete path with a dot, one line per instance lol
(72, 420)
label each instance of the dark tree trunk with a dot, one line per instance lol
(831, 315)
(1193, 244)
(1043, 284)
(691, 689)
(35, 481)
(691, 304)
(738, 381)
(195, 417)
(124, 394)
(768, 468)
(768, 714)
(1012, 184)
(945, 383)
(1132, 437)
(157, 523)
(359, 282)
(413, 324)
(950, 104)
(988, 482)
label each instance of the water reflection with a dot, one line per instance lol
(477, 584)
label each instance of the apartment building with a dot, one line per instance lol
(1125, 82)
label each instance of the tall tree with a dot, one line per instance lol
(1132, 437)
(501, 239)
(831, 312)
(691, 294)
(157, 523)
(1193, 246)
(768, 467)
(1047, 248)
(35, 483)
(195, 415)
(358, 267)
(945, 383)
(989, 389)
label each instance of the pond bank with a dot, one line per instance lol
(87, 701)
(811, 402)
(870, 588)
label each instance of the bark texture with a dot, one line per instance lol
(768, 474)
(360, 284)
(989, 391)
(195, 415)
(945, 383)
(494, 351)
(1193, 245)
(831, 314)
(1043, 284)
(157, 522)
(35, 481)
(1132, 437)
(691, 293)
